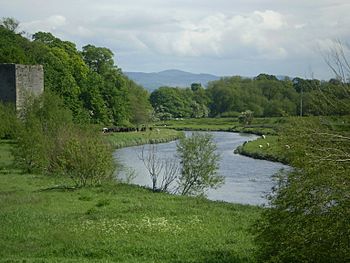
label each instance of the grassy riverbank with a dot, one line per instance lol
(270, 127)
(264, 149)
(125, 139)
(115, 222)
(258, 126)
(273, 148)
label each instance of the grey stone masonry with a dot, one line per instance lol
(16, 81)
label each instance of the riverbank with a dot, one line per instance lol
(270, 149)
(267, 148)
(258, 126)
(156, 135)
(115, 222)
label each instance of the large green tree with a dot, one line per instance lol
(89, 82)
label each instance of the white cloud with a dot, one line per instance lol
(221, 35)
(50, 23)
(271, 20)
(269, 35)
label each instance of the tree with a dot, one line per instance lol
(170, 101)
(308, 216)
(246, 117)
(140, 106)
(9, 23)
(196, 86)
(159, 169)
(99, 59)
(199, 164)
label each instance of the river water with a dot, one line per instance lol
(247, 180)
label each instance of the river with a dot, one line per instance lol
(247, 180)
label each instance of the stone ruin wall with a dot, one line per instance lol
(17, 81)
(29, 80)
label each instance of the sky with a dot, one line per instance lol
(222, 37)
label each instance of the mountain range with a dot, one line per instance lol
(172, 78)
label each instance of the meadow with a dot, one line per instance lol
(258, 125)
(156, 135)
(41, 221)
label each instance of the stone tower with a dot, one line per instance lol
(16, 81)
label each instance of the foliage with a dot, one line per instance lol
(42, 118)
(98, 59)
(8, 121)
(92, 87)
(308, 220)
(140, 107)
(84, 157)
(199, 164)
(48, 142)
(237, 94)
(246, 117)
(171, 102)
(267, 96)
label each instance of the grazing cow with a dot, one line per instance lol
(268, 144)
(287, 146)
(260, 146)
(104, 130)
(263, 136)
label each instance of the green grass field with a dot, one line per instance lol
(207, 124)
(125, 139)
(258, 126)
(115, 223)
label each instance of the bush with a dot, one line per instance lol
(199, 162)
(84, 157)
(308, 217)
(49, 142)
(246, 117)
(8, 121)
(41, 120)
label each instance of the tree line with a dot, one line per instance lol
(264, 95)
(97, 91)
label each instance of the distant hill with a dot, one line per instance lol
(173, 78)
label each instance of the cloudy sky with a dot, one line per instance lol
(222, 37)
